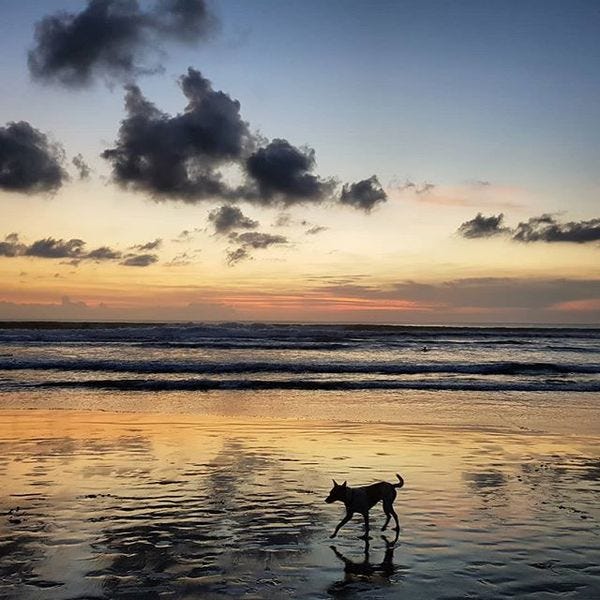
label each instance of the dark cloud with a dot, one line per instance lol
(182, 157)
(185, 20)
(9, 250)
(139, 260)
(153, 245)
(283, 174)
(112, 39)
(176, 157)
(364, 195)
(29, 162)
(103, 253)
(227, 218)
(11, 246)
(316, 229)
(546, 228)
(53, 248)
(82, 168)
(481, 226)
(254, 239)
(251, 240)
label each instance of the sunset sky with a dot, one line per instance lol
(397, 162)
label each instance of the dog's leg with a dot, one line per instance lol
(341, 524)
(388, 516)
(395, 518)
(388, 509)
(366, 517)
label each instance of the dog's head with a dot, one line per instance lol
(337, 493)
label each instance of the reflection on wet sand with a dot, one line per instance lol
(101, 505)
(362, 575)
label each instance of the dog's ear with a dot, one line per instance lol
(344, 484)
(334, 482)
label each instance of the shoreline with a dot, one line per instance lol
(560, 413)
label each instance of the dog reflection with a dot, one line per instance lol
(366, 571)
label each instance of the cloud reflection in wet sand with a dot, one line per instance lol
(114, 506)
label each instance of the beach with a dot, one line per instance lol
(193, 461)
(300, 300)
(124, 498)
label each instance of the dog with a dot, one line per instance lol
(362, 499)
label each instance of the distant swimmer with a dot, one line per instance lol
(425, 349)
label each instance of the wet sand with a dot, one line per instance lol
(175, 504)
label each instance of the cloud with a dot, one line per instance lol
(70, 310)
(103, 253)
(53, 248)
(11, 246)
(176, 157)
(112, 39)
(476, 299)
(316, 229)
(411, 186)
(29, 162)
(544, 228)
(180, 260)
(474, 193)
(236, 255)
(153, 245)
(251, 240)
(182, 157)
(283, 174)
(74, 250)
(254, 239)
(186, 236)
(139, 260)
(283, 219)
(365, 194)
(481, 226)
(227, 218)
(82, 168)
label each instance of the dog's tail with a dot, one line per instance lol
(400, 482)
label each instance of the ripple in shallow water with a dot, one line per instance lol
(103, 509)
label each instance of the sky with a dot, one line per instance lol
(427, 161)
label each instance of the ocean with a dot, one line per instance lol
(239, 356)
(193, 460)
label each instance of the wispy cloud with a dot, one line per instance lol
(74, 251)
(545, 228)
(251, 240)
(473, 193)
(139, 260)
(152, 245)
